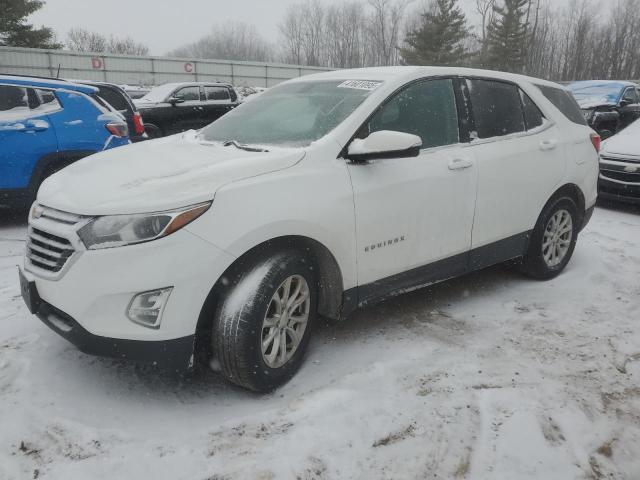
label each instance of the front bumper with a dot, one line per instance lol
(87, 300)
(619, 179)
(176, 354)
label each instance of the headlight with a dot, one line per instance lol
(119, 230)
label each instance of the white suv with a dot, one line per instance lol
(326, 193)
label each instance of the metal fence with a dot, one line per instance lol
(135, 70)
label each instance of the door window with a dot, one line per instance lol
(426, 109)
(533, 117)
(497, 108)
(630, 96)
(13, 98)
(188, 94)
(217, 93)
(114, 98)
(565, 102)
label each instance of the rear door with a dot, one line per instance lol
(520, 158)
(218, 101)
(26, 133)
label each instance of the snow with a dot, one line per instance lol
(491, 376)
(626, 142)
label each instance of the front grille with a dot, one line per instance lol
(49, 243)
(621, 176)
(635, 160)
(47, 251)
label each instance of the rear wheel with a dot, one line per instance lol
(263, 325)
(553, 240)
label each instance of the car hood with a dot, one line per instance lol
(625, 143)
(156, 175)
(594, 102)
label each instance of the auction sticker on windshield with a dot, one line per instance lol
(360, 84)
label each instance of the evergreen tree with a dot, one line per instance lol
(14, 29)
(439, 38)
(507, 36)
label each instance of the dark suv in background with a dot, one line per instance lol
(177, 107)
(121, 102)
(609, 106)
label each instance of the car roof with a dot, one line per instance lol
(46, 83)
(194, 84)
(399, 73)
(602, 83)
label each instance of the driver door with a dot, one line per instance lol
(414, 216)
(189, 113)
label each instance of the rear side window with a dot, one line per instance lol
(426, 109)
(533, 117)
(217, 93)
(13, 98)
(497, 108)
(564, 102)
(114, 98)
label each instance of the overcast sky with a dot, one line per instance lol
(164, 25)
(161, 24)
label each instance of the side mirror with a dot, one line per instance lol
(384, 144)
(175, 100)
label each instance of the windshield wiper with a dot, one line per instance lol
(241, 146)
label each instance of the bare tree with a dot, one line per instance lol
(385, 23)
(484, 8)
(236, 41)
(81, 40)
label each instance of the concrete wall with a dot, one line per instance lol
(134, 70)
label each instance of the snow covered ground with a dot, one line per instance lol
(492, 376)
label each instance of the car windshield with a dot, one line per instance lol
(291, 115)
(608, 93)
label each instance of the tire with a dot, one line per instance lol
(549, 251)
(248, 315)
(153, 131)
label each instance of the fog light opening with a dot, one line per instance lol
(146, 308)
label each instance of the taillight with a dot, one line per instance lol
(138, 123)
(596, 141)
(118, 129)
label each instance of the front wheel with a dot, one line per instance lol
(263, 325)
(553, 240)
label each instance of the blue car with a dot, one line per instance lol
(46, 125)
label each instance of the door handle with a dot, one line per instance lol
(32, 126)
(460, 163)
(548, 144)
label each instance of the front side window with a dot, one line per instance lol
(217, 93)
(188, 94)
(292, 114)
(630, 96)
(426, 109)
(497, 108)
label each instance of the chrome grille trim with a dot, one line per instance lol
(52, 242)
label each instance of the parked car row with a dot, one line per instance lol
(177, 107)
(45, 125)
